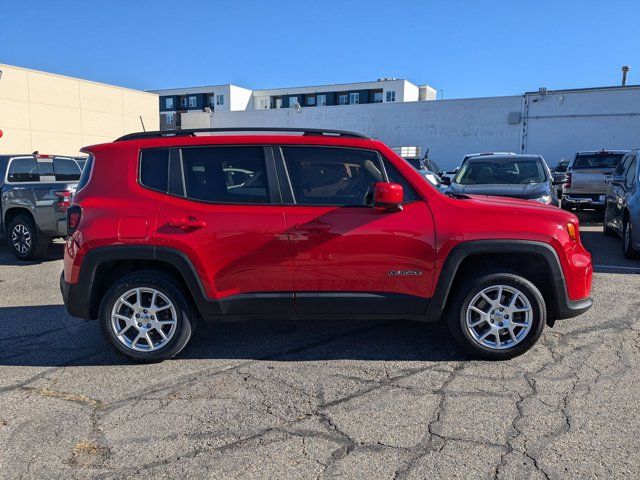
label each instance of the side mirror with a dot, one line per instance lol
(446, 180)
(388, 196)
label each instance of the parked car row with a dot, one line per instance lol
(604, 180)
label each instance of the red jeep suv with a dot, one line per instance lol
(167, 228)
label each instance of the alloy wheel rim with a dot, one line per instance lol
(144, 319)
(499, 317)
(21, 238)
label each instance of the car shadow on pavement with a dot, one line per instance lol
(54, 252)
(45, 336)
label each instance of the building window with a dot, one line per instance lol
(212, 100)
(278, 103)
(377, 97)
(168, 118)
(342, 99)
(311, 101)
(322, 100)
(354, 98)
(192, 102)
(391, 96)
(168, 102)
(263, 103)
(293, 101)
(183, 102)
(220, 99)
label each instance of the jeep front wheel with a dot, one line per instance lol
(497, 316)
(146, 316)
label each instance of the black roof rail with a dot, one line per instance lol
(191, 132)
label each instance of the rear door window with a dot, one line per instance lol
(23, 170)
(331, 175)
(66, 170)
(226, 174)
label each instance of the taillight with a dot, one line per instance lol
(63, 199)
(567, 183)
(74, 214)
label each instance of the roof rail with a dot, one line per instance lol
(191, 132)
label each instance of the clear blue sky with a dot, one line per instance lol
(468, 48)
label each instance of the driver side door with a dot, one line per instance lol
(348, 257)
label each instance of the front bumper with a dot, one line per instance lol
(76, 298)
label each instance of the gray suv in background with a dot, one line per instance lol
(588, 177)
(35, 191)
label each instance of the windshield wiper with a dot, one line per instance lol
(460, 196)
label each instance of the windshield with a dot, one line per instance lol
(562, 166)
(597, 160)
(483, 171)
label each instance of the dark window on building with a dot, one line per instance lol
(343, 99)
(154, 169)
(332, 176)
(183, 102)
(311, 100)
(66, 170)
(391, 96)
(23, 170)
(377, 97)
(226, 174)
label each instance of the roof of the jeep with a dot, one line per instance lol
(238, 136)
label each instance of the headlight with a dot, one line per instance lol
(546, 199)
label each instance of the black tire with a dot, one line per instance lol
(186, 318)
(457, 308)
(627, 243)
(36, 244)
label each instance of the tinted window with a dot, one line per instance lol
(332, 176)
(154, 169)
(622, 166)
(502, 170)
(45, 169)
(396, 177)
(66, 169)
(597, 160)
(86, 173)
(226, 174)
(630, 177)
(23, 170)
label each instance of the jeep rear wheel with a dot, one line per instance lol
(146, 316)
(497, 316)
(25, 241)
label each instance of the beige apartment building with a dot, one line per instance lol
(54, 114)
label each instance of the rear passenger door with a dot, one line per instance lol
(223, 210)
(347, 256)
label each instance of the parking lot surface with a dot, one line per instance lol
(356, 399)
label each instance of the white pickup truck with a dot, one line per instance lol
(588, 177)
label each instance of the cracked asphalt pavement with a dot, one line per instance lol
(334, 399)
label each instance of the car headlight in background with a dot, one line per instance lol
(546, 199)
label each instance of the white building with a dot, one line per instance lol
(177, 104)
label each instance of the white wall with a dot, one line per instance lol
(555, 128)
(559, 124)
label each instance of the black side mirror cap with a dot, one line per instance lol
(446, 181)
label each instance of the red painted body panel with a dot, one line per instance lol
(245, 248)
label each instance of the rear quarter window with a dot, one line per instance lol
(86, 173)
(154, 169)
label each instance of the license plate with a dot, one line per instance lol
(602, 197)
